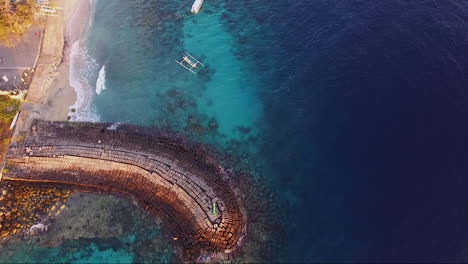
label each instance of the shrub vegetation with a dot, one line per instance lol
(15, 19)
(8, 109)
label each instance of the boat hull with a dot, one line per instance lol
(197, 6)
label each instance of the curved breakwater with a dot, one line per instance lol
(206, 208)
(356, 110)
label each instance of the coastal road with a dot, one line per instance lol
(13, 61)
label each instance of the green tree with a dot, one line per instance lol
(15, 19)
(8, 108)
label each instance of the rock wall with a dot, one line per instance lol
(172, 179)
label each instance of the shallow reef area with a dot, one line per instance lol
(92, 228)
(24, 209)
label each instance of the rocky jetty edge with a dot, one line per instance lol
(209, 211)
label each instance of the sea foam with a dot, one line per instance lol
(82, 66)
(114, 126)
(101, 81)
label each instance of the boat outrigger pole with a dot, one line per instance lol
(186, 53)
(189, 64)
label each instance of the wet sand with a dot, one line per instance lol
(60, 95)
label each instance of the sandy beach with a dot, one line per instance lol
(50, 94)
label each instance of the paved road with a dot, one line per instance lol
(14, 60)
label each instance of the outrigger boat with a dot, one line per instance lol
(46, 9)
(187, 58)
(196, 6)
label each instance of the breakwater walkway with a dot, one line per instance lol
(179, 182)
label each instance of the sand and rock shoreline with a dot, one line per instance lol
(50, 94)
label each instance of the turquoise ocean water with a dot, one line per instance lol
(124, 70)
(144, 85)
(353, 112)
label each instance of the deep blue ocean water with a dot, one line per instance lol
(354, 111)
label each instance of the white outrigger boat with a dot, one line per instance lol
(196, 6)
(46, 9)
(187, 58)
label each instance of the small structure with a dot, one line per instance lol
(214, 211)
(197, 6)
(187, 62)
(46, 9)
(8, 87)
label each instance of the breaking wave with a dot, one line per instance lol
(101, 81)
(82, 66)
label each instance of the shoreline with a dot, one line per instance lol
(50, 94)
(76, 18)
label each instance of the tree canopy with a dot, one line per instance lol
(8, 108)
(15, 19)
